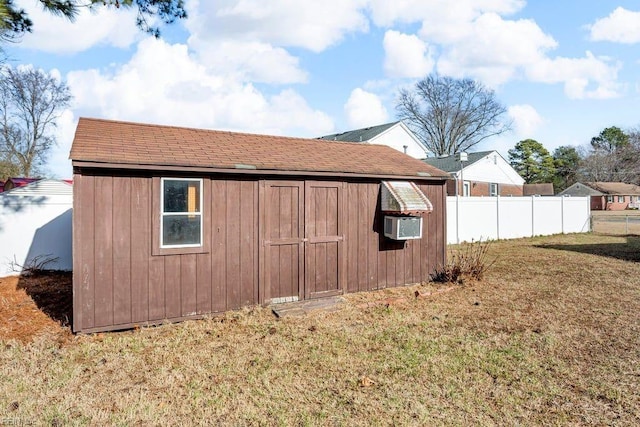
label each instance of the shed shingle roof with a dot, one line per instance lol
(105, 142)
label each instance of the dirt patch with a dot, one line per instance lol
(34, 305)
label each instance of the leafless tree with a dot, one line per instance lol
(613, 162)
(451, 115)
(30, 103)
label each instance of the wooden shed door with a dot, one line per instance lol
(324, 241)
(302, 251)
(283, 255)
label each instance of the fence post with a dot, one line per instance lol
(533, 216)
(498, 217)
(562, 215)
(457, 218)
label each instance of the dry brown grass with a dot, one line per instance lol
(551, 336)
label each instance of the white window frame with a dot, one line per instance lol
(164, 214)
(620, 199)
(609, 199)
(493, 185)
(466, 188)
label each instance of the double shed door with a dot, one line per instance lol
(303, 246)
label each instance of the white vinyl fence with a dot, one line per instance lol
(485, 218)
(35, 227)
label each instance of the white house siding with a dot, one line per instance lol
(35, 223)
(492, 168)
(397, 137)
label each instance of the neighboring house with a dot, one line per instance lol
(609, 196)
(35, 226)
(485, 173)
(1, 186)
(395, 135)
(173, 223)
(12, 183)
(545, 189)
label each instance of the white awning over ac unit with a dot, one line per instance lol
(403, 197)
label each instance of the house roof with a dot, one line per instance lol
(42, 187)
(620, 188)
(106, 143)
(21, 182)
(360, 135)
(545, 189)
(450, 164)
(579, 190)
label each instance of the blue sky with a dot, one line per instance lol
(565, 70)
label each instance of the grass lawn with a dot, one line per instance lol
(550, 337)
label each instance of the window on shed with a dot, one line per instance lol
(620, 199)
(493, 189)
(181, 213)
(609, 199)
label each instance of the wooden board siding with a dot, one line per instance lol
(119, 281)
(121, 284)
(374, 262)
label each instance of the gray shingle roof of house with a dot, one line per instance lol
(450, 164)
(579, 190)
(359, 135)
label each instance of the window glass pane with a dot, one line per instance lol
(181, 196)
(181, 230)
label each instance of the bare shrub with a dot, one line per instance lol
(37, 265)
(469, 261)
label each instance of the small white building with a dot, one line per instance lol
(35, 226)
(395, 135)
(485, 173)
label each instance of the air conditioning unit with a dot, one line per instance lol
(403, 227)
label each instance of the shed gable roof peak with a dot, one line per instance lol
(106, 143)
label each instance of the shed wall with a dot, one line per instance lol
(120, 283)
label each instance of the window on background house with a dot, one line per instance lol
(620, 199)
(609, 199)
(493, 189)
(181, 213)
(466, 189)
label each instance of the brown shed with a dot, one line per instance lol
(173, 223)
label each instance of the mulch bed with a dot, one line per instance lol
(35, 304)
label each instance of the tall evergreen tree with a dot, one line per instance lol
(532, 161)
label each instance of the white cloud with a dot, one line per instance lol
(364, 109)
(439, 17)
(163, 83)
(59, 165)
(494, 49)
(588, 77)
(104, 26)
(526, 120)
(312, 25)
(621, 26)
(249, 61)
(406, 55)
